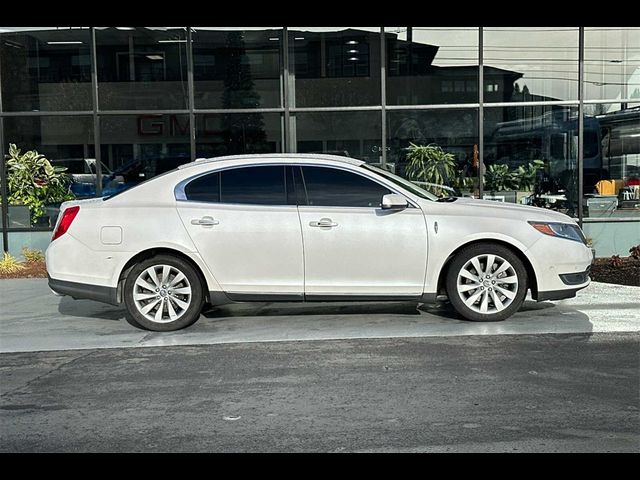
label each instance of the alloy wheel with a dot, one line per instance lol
(162, 293)
(487, 284)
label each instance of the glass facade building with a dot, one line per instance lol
(119, 105)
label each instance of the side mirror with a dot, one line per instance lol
(393, 201)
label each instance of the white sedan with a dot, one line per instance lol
(307, 228)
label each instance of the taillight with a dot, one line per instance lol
(65, 222)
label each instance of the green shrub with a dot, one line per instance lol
(32, 255)
(10, 264)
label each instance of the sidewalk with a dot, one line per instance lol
(33, 319)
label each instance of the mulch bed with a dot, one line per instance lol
(626, 273)
(30, 270)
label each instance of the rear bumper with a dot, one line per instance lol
(99, 293)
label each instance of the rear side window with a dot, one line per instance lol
(246, 185)
(204, 189)
(254, 185)
(332, 187)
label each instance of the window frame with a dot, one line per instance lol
(180, 195)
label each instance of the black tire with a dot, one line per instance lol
(190, 315)
(461, 259)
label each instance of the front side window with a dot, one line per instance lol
(332, 187)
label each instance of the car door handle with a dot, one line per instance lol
(324, 222)
(205, 221)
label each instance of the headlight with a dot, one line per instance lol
(562, 230)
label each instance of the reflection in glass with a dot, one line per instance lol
(612, 172)
(449, 140)
(237, 133)
(138, 147)
(432, 65)
(236, 68)
(612, 63)
(64, 142)
(352, 134)
(531, 155)
(46, 69)
(530, 64)
(334, 66)
(142, 68)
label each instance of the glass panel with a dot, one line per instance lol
(446, 149)
(35, 194)
(142, 68)
(334, 66)
(531, 156)
(611, 63)
(45, 69)
(352, 134)
(337, 188)
(612, 160)
(237, 133)
(530, 64)
(204, 189)
(431, 65)
(254, 185)
(236, 68)
(138, 147)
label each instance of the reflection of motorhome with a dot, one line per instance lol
(611, 146)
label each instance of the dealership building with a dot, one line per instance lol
(119, 105)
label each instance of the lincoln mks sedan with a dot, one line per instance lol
(307, 228)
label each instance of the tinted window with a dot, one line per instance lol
(339, 188)
(204, 189)
(254, 185)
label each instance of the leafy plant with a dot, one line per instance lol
(635, 252)
(32, 255)
(9, 264)
(430, 163)
(616, 261)
(34, 182)
(498, 178)
(524, 178)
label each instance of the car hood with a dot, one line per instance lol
(466, 206)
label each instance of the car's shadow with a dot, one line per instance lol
(441, 309)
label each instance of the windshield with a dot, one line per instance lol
(406, 184)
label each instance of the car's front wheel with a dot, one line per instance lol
(163, 293)
(486, 282)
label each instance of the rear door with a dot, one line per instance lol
(247, 230)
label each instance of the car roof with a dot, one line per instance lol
(280, 156)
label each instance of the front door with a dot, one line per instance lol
(352, 247)
(243, 226)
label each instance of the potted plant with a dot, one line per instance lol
(519, 184)
(33, 182)
(430, 164)
(524, 178)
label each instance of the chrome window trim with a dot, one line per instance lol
(180, 194)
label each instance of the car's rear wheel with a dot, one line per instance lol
(486, 282)
(163, 293)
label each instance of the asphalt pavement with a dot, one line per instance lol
(371, 377)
